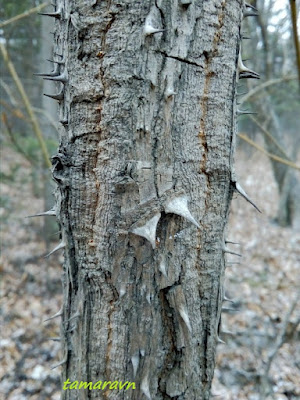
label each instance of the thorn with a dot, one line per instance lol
(179, 206)
(220, 340)
(149, 29)
(227, 299)
(148, 230)
(162, 268)
(244, 194)
(58, 314)
(145, 387)
(249, 11)
(61, 245)
(226, 250)
(122, 291)
(245, 37)
(228, 241)
(55, 339)
(58, 54)
(148, 297)
(247, 5)
(48, 75)
(56, 62)
(56, 14)
(225, 332)
(45, 213)
(135, 364)
(60, 363)
(169, 93)
(185, 3)
(59, 96)
(184, 315)
(59, 78)
(64, 121)
(245, 72)
(76, 315)
(245, 112)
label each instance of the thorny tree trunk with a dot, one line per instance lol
(144, 174)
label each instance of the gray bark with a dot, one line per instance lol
(144, 174)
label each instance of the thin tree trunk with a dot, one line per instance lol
(144, 175)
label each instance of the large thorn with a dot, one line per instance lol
(249, 11)
(242, 192)
(245, 72)
(184, 315)
(58, 314)
(148, 230)
(179, 206)
(59, 96)
(220, 340)
(59, 78)
(58, 247)
(135, 360)
(149, 29)
(162, 268)
(145, 387)
(45, 213)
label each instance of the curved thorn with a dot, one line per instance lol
(59, 96)
(58, 247)
(148, 230)
(220, 340)
(56, 14)
(58, 314)
(184, 315)
(245, 72)
(242, 192)
(179, 206)
(145, 387)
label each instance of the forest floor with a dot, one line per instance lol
(260, 358)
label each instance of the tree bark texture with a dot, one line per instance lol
(144, 173)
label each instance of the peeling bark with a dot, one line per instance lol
(144, 174)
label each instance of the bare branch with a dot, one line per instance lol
(24, 14)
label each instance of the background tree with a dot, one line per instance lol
(271, 51)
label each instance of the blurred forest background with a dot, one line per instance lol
(260, 358)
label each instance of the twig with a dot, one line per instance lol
(281, 337)
(271, 137)
(264, 85)
(24, 14)
(273, 156)
(27, 104)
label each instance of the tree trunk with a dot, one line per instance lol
(144, 174)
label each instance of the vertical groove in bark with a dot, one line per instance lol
(143, 172)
